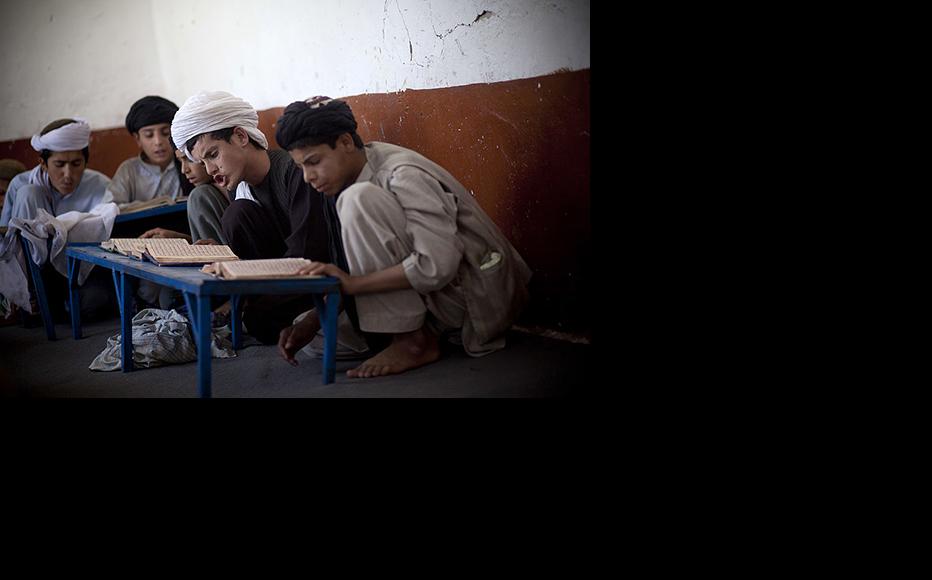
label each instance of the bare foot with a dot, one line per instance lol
(407, 351)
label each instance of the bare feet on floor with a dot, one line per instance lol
(407, 351)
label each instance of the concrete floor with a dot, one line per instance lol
(531, 366)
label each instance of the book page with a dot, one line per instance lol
(158, 247)
(258, 269)
(215, 252)
(168, 251)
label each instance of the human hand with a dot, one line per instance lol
(207, 242)
(295, 337)
(162, 233)
(323, 269)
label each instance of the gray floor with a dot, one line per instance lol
(531, 366)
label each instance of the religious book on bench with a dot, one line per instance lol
(260, 269)
(134, 247)
(169, 252)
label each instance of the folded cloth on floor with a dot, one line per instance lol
(161, 337)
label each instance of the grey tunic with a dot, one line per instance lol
(406, 209)
(136, 180)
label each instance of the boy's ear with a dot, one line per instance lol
(136, 137)
(242, 138)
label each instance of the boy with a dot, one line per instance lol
(206, 205)
(61, 182)
(152, 173)
(275, 214)
(424, 258)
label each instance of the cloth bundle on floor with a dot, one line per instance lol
(161, 337)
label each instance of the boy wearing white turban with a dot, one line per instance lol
(61, 182)
(274, 213)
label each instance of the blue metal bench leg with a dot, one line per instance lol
(74, 297)
(327, 313)
(199, 315)
(125, 287)
(236, 320)
(35, 273)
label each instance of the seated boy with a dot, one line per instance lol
(152, 173)
(61, 182)
(424, 258)
(274, 213)
(206, 205)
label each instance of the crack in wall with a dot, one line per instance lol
(407, 32)
(483, 15)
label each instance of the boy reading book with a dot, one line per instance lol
(151, 174)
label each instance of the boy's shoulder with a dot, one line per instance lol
(389, 157)
(21, 179)
(94, 175)
(130, 164)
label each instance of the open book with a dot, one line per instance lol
(134, 247)
(168, 252)
(259, 269)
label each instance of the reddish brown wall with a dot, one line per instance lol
(521, 146)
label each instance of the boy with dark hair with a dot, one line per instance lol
(152, 173)
(274, 213)
(206, 205)
(424, 258)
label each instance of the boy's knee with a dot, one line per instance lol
(356, 201)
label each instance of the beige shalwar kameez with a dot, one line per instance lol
(406, 209)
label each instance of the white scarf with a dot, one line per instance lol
(212, 111)
(71, 137)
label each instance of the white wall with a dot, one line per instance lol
(66, 58)
(105, 54)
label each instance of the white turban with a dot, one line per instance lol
(71, 137)
(212, 111)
